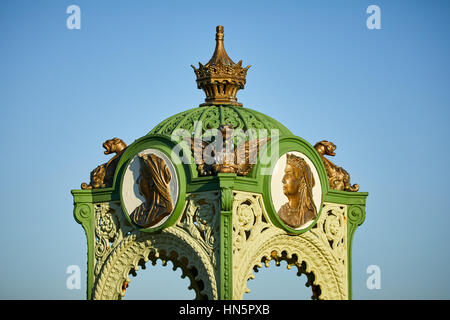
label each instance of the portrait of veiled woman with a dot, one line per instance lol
(298, 182)
(153, 182)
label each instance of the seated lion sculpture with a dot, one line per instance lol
(103, 175)
(338, 178)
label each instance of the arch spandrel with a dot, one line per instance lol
(191, 244)
(320, 251)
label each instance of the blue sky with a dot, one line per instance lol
(382, 96)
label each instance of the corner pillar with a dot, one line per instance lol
(226, 182)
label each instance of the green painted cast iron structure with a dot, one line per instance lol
(224, 226)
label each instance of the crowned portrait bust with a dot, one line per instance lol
(298, 182)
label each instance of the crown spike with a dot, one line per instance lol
(221, 78)
(220, 56)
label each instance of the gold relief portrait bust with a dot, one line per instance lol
(153, 185)
(150, 189)
(297, 182)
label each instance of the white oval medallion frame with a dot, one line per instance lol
(131, 197)
(276, 185)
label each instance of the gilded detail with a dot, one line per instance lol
(103, 175)
(338, 178)
(298, 182)
(153, 184)
(221, 156)
(221, 78)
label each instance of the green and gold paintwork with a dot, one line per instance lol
(224, 188)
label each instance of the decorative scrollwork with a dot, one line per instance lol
(332, 230)
(201, 219)
(82, 212)
(105, 228)
(191, 244)
(212, 120)
(138, 248)
(188, 123)
(356, 214)
(318, 253)
(169, 127)
(110, 227)
(248, 217)
(231, 117)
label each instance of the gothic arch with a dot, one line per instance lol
(305, 255)
(292, 261)
(137, 248)
(192, 243)
(318, 252)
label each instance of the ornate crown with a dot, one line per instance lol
(220, 78)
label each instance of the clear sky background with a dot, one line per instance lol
(382, 96)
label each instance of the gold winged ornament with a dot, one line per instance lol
(221, 156)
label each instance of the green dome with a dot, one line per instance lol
(200, 119)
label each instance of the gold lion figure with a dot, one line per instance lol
(103, 175)
(154, 186)
(298, 182)
(338, 178)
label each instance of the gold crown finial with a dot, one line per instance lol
(220, 78)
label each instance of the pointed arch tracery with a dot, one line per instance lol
(315, 253)
(191, 244)
(138, 249)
